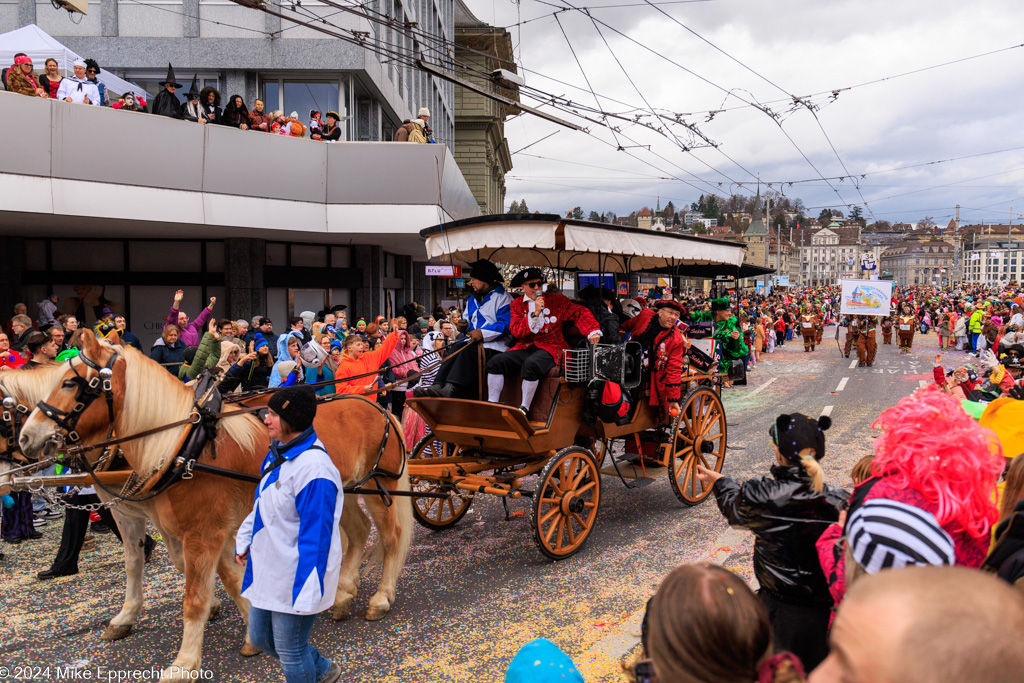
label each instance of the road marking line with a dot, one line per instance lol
(761, 388)
(826, 411)
(842, 383)
(853, 364)
(922, 383)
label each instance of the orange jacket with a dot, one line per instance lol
(368, 362)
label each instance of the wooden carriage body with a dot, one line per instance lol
(476, 447)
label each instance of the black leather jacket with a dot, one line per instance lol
(787, 517)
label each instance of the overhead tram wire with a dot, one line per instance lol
(368, 43)
(586, 79)
(692, 129)
(732, 93)
(777, 87)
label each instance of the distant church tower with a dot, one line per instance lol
(756, 237)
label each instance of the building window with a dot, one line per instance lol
(301, 96)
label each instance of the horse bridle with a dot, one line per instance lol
(87, 391)
(11, 417)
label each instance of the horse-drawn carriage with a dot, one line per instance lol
(476, 447)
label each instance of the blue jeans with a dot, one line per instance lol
(974, 341)
(285, 637)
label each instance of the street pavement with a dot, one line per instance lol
(472, 595)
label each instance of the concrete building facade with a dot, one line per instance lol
(917, 263)
(993, 261)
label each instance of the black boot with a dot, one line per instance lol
(446, 390)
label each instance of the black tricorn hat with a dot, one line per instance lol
(527, 274)
(485, 271)
(170, 80)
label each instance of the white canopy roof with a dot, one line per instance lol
(40, 46)
(548, 240)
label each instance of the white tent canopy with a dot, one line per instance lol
(40, 46)
(548, 240)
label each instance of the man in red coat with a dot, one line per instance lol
(536, 323)
(659, 331)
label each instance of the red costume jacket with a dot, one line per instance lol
(666, 358)
(546, 330)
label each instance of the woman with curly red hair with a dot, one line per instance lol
(934, 456)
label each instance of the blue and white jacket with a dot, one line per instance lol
(492, 316)
(292, 534)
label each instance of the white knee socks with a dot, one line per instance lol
(529, 389)
(495, 383)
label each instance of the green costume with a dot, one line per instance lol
(732, 349)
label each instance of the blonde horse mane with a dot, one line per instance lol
(155, 397)
(29, 386)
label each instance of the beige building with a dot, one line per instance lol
(917, 263)
(481, 149)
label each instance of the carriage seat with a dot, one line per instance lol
(547, 390)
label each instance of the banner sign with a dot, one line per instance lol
(866, 297)
(443, 271)
(701, 330)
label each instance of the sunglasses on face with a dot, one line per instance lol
(531, 284)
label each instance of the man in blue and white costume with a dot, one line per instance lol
(488, 314)
(290, 543)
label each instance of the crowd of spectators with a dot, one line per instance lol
(944, 487)
(200, 105)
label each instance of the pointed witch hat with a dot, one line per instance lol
(170, 77)
(193, 90)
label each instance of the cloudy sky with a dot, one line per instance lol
(636, 60)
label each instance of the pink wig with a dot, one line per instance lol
(929, 444)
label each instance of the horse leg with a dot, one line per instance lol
(394, 529)
(201, 555)
(355, 529)
(133, 534)
(231, 574)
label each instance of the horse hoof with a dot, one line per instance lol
(250, 650)
(342, 610)
(116, 632)
(376, 613)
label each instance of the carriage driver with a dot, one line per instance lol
(536, 323)
(661, 334)
(487, 313)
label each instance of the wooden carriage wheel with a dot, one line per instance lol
(565, 502)
(698, 437)
(437, 513)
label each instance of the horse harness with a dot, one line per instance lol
(87, 391)
(186, 462)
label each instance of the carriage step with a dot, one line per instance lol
(636, 474)
(641, 482)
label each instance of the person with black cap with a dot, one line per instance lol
(787, 512)
(662, 336)
(330, 131)
(536, 321)
(487, 314)
(290, 543)
(729, 345)
(166, 102)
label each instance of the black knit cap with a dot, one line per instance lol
(296, 406)
(793, 433)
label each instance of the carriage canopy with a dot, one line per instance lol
(552, 241)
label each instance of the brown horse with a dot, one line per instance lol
(198, 518)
